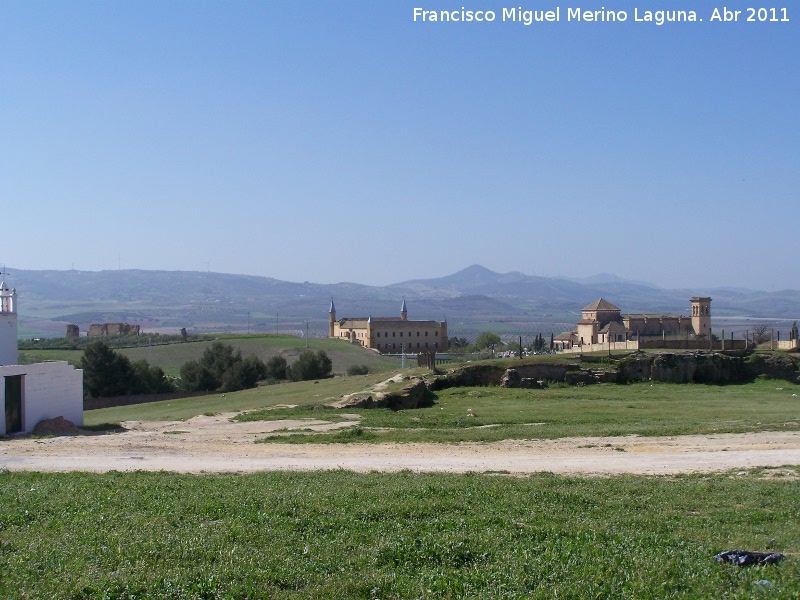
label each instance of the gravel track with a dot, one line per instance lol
(215, 444)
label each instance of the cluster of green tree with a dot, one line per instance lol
(485, 340)
(540, 343)
(311, 365)
(117, 341)
(488, 340)
(106, 374)
(222, 369)
(457, 342)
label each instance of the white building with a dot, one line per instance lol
(31, 393)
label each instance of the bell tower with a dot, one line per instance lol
(331, 319)
(701, 315)
(8, 325)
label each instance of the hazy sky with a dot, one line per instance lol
(341, 141)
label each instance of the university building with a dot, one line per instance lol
(390, 334)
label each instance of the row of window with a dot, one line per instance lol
(386, 334)
(409, 347)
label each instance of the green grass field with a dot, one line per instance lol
(326, 390)
(394, 536)
(171, 357)
(345, 535)
(487, 414)
(494, 414)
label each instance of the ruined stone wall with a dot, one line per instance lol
(103, 329)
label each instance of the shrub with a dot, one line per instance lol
(357, 370)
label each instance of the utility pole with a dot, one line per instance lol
(306, 333)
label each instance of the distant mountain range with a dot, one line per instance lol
(472, 298)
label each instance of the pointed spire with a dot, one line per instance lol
(403, 308)
(333, 308)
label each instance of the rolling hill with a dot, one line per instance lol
(470, 299)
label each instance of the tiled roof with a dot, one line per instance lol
(654, 316)
(614, 327)
(600, 304)
(393, 321)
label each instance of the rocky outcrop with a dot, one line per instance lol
(774, 366)
(706, 367)
(414, 395)
(357, 402)
(579, 377)
(513, 379)
(688, 367)
(695, 367)
(469, 376)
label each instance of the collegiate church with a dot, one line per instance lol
(602, 322)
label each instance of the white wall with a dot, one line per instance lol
(8, 339)
(629, 345)
(49, 390)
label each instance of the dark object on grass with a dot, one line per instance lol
(744, 557)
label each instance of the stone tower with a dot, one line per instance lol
(331, 319)
(701, 315)
(404, 311)
(8, 325)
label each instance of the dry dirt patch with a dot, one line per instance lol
(216, 444)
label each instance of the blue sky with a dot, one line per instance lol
(340, 141)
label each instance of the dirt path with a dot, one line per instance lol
(214, 444)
